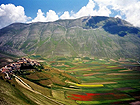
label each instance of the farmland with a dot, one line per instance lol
(101, 81)
(85, 81)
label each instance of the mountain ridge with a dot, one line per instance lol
(95, 36)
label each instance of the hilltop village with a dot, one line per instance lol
(16, 66)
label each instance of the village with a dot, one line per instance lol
(8, 69)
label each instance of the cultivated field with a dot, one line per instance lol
(102, 81)
(87, 81)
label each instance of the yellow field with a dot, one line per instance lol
(85, 85)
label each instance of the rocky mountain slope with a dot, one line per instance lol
(87, 36)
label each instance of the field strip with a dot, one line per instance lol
(83, 69)
(125, 70)
(72, 89)
(99, 83)
(91, 74)
(84, 85)
(123, 74)
(103, 102)
(20, 82)
(90, 84)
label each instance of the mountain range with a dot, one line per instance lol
(92, 36)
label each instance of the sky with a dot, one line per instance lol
(28, 11)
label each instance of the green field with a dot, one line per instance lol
(102, 81)
(84, 81)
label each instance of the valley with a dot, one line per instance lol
(84, 80)
(102, 81)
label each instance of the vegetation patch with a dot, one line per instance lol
(85, 85)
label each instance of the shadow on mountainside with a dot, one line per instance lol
(120, 30)
(112, 25)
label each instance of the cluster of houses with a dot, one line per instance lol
(8, 69)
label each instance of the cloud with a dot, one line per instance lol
(124, 9)
(129, 9)
(10, 13)
(40, 17)
(66, 15)
(50, 16)
(88, 10)
(132, 13)
(103, 11)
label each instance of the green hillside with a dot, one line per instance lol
(87, 36)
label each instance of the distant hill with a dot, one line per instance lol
(93, 36)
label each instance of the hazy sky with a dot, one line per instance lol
(26, 11)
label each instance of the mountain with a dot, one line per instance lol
(93, 36)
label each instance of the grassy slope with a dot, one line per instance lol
(57, 95)
(17, 95)
(70, 38)
(13, 91)
(6, 58)
(13, 96)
